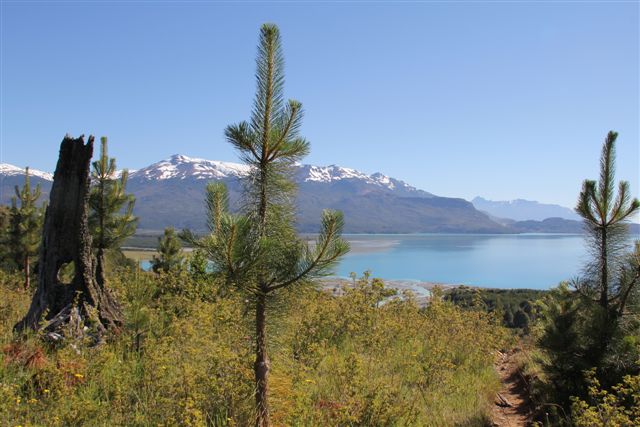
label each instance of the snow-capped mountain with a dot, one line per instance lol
(171, 193)
(11, 175)
(183, 167)
(326, 174)
(180, 167)
(334, 173)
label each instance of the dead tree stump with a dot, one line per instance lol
(83, 301)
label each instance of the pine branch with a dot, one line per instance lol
(217, 202)
(241, 137)
(329, 248)
(294, 117)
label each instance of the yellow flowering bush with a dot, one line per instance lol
(618, 408)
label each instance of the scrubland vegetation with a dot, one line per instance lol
(516, 306)
(185, 356)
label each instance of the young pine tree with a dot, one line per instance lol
(259, 251)
(170, 253)
(605, 216)
(596, 327)
(25, 227)
(111, 218)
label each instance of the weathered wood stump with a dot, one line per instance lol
(66, 238)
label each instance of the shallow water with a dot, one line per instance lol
(537, 261)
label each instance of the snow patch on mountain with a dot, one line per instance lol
(333, 173)
(181, 167)
(11, 170)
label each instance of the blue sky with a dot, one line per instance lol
(499, 99)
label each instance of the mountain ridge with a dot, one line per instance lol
(171, 192)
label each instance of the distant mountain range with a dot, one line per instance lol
(523, 210)
(171, 193)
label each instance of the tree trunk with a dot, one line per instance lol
(66, 239)
(604, 272)
(262, 364)
(606, 328)
(100, 267)
(27, 272)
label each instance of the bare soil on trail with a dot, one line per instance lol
(512, 406)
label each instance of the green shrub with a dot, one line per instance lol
(618, 408)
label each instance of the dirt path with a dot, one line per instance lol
(512, 407)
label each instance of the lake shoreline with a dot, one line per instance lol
(410, 284)
(421, 262)
(417, 286)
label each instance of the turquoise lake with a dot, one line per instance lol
(536, 261)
